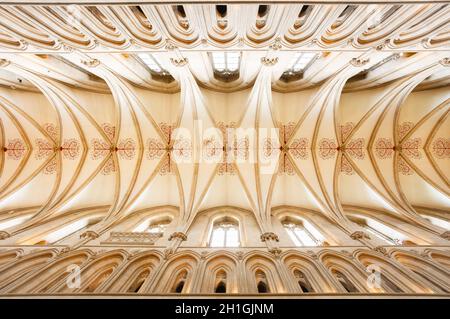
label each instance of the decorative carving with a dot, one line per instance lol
(276, 45)
(410, 148)
(384, 148)
(345, 130)
(285, 166)
(270, 147)
(44, 149)
(133, 238)
(299, 148)
(269, 61)
(327, 148)
(15, 149)
(269, 236)
(179, 61)
(109, 167)
(381, 249)
(170, 46)
(359, 235)
(155, 149)
(109, 130)
(70, 148)
(445, 62)
(441, 148)
(167, 253)
(52, 130)
(89, 234)
(4, 234)
(403, 129)
(355, 148)
(126, 149)
(179, 235)
(51, 167)
(182, 149)
(276, 252)
(91, 63)
(403, 167)
(313, 255)
(358, 62)
(240, 255)
(4, 62)
(346, 167)
(166, 166)
(446, 235)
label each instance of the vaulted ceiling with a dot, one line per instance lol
(87, 124)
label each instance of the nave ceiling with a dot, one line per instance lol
(86, 124)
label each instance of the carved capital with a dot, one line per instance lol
(446, 235)
(313, 255)
(170, 46)
(167, 253)
(276, 252)
(64, 250)
(4, 234)
(179, 61)
(240, 255)
(4, 62)
(445, 62)
(179, 235)
(269, 236)
(381, 249)
(91, 63)
(359, 235)
(269, 61)
(358, 62)
(276, 45)
(89, 234)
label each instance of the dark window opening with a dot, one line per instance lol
(221, 288)
(221, 10)
(262, 287)
(262, 10)
(179, 287)
(180, 11)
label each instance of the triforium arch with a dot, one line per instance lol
(429, 274)
(177, 275)
(347, 274)
(137, 273)
(97, 271)
(308, 267)
(262, 275)
(221, 274)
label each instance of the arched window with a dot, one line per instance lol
(383, 232)
(225, 233)
(303, 233)
(14, 222)
(67, 231)
(157, 226)
(343, 280)
(139, 281)
(437, 221)
(180, 282)
(221, 282)
(225, 65)
(299, 63)
(261, 282)
(303, 281)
